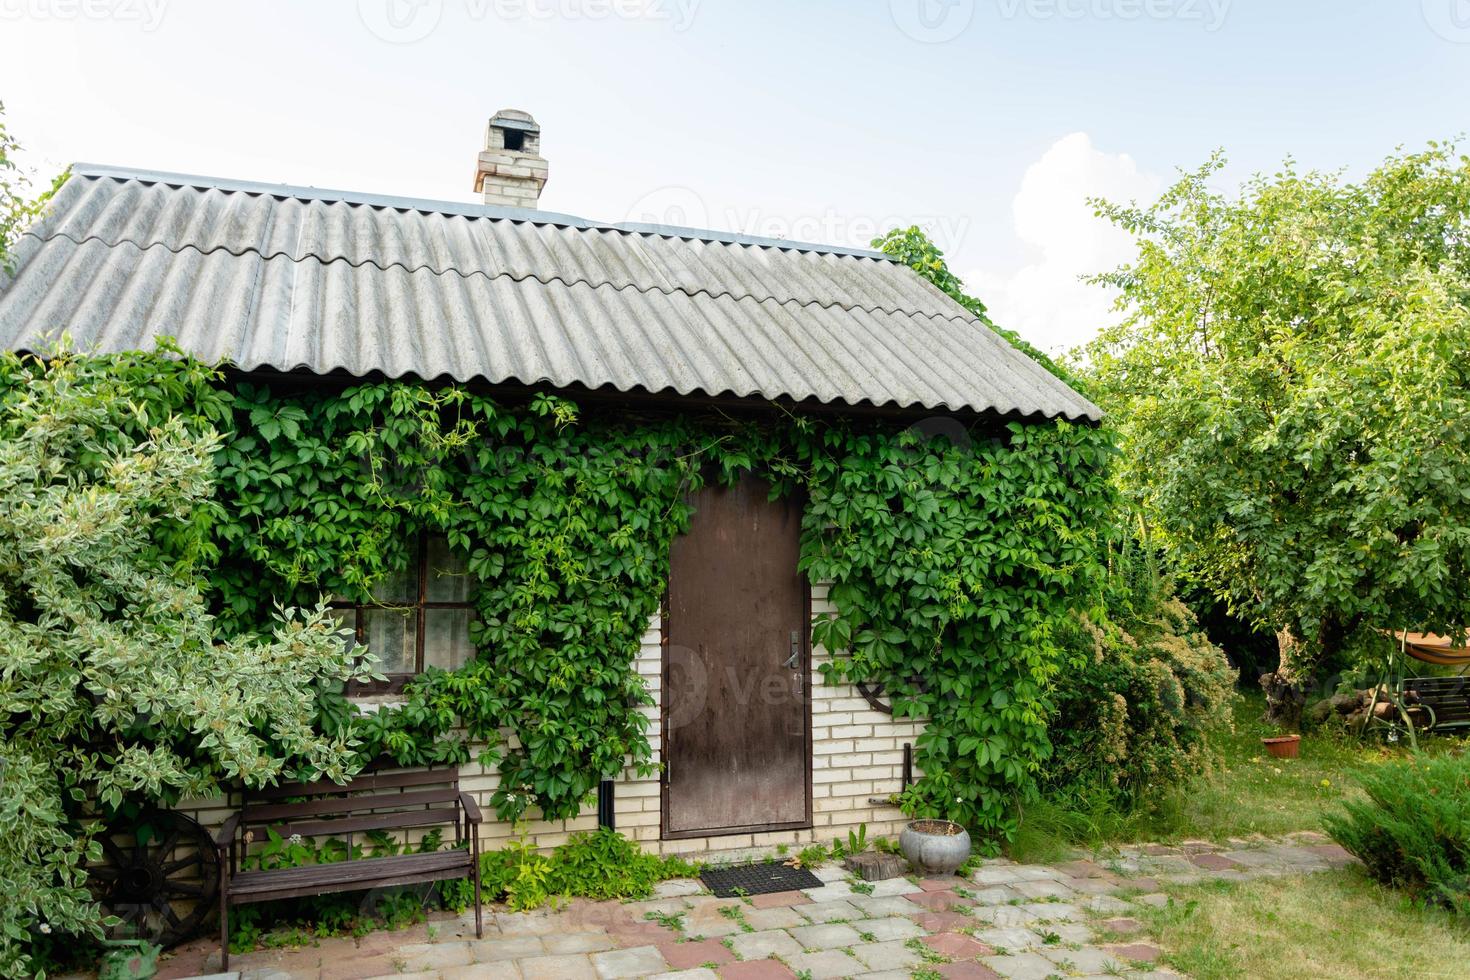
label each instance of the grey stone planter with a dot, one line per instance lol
(935, 847)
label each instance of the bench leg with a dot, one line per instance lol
(479, 929)
(224, 932)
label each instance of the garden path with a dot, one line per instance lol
(1025, 922)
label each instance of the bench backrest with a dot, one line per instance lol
(375, 800)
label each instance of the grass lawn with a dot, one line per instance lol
(1339, 925)
(1252, 793)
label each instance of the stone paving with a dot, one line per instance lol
(1027, 922)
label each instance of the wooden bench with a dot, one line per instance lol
(374, 801)
(1447, 697)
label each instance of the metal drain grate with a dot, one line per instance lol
(758, 879)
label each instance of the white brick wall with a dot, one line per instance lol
(857, 754)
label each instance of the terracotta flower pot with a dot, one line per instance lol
(935, 847)
(1283, 746)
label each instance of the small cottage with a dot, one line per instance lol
(303, 289)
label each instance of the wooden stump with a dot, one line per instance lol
(876, 866)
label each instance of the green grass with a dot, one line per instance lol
(1342, 926)
(1246, 792)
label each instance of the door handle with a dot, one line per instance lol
(795, 659)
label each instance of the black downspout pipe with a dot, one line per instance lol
(605, 811)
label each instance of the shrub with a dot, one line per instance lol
(1413, 830)
(1133, 708)
(599, 865)
(114, 686)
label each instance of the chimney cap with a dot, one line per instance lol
(515, 119)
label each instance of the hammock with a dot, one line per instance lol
(1430, 648)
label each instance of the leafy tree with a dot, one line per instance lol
(1289, 383)
(915, 249)
(113, 687)
(17, 208)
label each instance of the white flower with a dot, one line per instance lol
(45, 928)
(296, 839)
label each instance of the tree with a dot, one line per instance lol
(1289, 385)
(113, 686)
(17, 207)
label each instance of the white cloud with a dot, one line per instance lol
(1044, 300)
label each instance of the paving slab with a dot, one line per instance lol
(894, 955)
(1022, 966)
(757, 970)
(570, 967)
(829, 911)
(636, 961)
(1044, 888)
(826, 893)
(482, 971)
(1088, 959)
(1053, 911)
(892, 927)
(827, 936)
(966, 971)
(759, 945)
(957, 946)
(894, 886)
(687, 956)
(873, 907)
(824, 964)
(506, 948)
(578, 942)
(996, 895)
(1004, 915)
(780, 917)
(678, 887)
(1009, 939)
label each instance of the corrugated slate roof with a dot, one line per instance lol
(268, 276)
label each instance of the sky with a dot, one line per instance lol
(989, 122)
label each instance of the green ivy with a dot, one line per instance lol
(953, 563)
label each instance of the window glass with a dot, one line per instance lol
(448, 573)
(447, 638)
(401, 587)
(392, 636)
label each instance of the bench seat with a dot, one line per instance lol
(381, 872)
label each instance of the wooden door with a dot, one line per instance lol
(736, 719)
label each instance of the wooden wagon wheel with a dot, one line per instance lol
(159, 877)
(873, 693)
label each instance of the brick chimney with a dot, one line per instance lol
(511, 170)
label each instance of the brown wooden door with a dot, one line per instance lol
(736, 723)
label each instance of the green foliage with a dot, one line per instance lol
(953, 570)
(1413, 830)
(1134, 707)
(113, 684)
(599, 865)
(17, 208)
(915, 249)
(1290, 387)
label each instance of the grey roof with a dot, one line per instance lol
(269, 276)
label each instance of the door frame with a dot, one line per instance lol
(663, 723)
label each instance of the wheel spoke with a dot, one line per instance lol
(161, 903)
(182, 863)
(110, 848)
(183, 888)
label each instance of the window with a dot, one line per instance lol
(419, 617)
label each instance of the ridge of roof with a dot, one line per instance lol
(490, 211)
